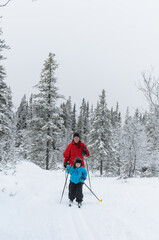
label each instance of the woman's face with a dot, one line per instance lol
(76, 139)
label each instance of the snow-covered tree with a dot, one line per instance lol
(116, 140)
(67, 115)
(21, 121)
(47, 125)
(74, 118)
(22, 142)
(6, 114)
(152, 145)
(150, 89)
(100, 137)
(133, 146)
(83, 124)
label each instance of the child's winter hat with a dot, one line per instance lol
(76, 135)
(78, 160)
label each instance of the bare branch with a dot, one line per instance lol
(5, 3)
(150, 89)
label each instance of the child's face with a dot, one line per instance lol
(78, 165)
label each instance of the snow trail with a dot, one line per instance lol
(30, 208)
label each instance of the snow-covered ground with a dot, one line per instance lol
(30, 208)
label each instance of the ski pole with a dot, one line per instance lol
(64, 188)
(87, 168)
(100, 200)
(66, 173)
(88, 174)
(65, 178)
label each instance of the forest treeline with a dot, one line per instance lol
(41, 128)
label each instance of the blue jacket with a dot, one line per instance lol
(77, 174)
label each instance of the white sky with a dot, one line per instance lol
(99, 44)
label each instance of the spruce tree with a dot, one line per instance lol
(74, 118)
(100, 136)
(67, 112)
(6, 114)
(83, 124)
(21, 141)
(81, 119)
(116, 140)
(47, 123)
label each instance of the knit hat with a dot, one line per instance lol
(76, 135)
(78, 160)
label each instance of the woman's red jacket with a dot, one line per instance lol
(74, 150)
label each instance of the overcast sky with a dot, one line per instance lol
(99, 44)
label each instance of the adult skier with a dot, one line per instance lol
(75, 149)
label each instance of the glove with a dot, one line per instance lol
(65, 165)
(68, 167)
(82, 180)
(84, 151)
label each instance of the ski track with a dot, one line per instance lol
(80, 223)
(74, 219)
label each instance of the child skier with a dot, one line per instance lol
(78, 176)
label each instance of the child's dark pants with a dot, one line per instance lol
(75, 191)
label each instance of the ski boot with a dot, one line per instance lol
(79, 204)
(70, 203)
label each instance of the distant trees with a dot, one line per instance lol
(127, 149)
(42, 127)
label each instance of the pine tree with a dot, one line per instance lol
(6, 114)
(68, 121)
(81, 119)
(21, 141)
(47, 123)
(83, 124)
(100, 136)
(21, 120)
(74, 118)
(87, 123)
(116, 140)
